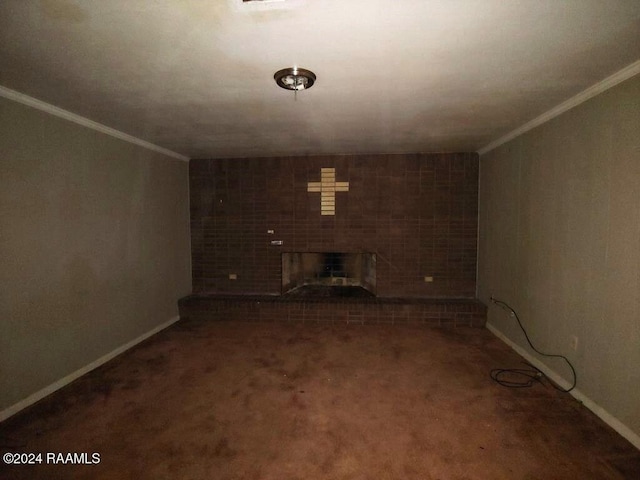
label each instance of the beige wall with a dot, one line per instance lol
(94, 246)
(560, 242)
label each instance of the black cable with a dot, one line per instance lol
(534, 374)
(531, 375)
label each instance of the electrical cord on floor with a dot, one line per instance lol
(530, 375)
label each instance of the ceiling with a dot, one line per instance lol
(196, 76)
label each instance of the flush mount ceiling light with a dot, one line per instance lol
(295, 78)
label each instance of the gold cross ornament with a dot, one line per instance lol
(327, 186)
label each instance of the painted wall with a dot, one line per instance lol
(560, 242)
(94, 246)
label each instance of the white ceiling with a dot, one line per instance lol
(196, 76)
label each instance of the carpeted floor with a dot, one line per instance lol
(217, 400)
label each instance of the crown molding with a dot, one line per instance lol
(85, 122)
(611, 81)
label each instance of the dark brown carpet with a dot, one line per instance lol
(221, 400)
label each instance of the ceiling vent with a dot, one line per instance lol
(266, 5)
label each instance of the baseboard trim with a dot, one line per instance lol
(605, 416)
(39, 395)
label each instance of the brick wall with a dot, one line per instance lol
(417, 212)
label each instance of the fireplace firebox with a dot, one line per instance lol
(329, 273)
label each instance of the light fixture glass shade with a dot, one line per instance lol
(295, 78)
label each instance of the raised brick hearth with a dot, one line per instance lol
(273, 308)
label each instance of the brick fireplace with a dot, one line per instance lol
(414, 216)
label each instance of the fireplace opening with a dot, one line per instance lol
(333, 265)
(329, 274)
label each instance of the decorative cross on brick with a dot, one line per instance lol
(327, 186)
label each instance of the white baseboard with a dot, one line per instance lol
(39, 395)
(605, 416)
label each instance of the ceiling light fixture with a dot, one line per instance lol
(295, 79)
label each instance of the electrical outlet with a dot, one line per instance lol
(428, 279)
(573, 342)
(233, 276)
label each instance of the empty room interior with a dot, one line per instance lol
(296, 239)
